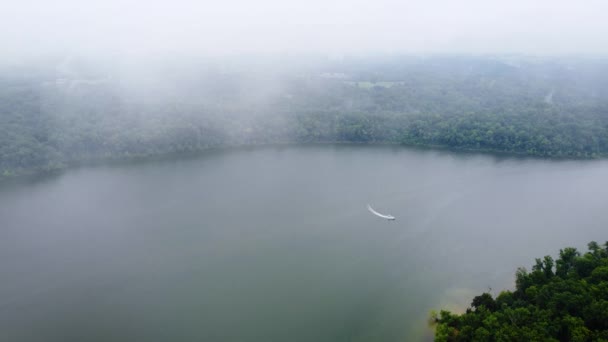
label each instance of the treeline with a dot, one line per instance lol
(56, 115)
(545, 132)
(546, 109)
(558, 300)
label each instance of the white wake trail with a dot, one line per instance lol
(371, 210)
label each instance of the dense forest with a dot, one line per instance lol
(558, 300)
(68, 111)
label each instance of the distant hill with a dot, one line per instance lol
(72, 111)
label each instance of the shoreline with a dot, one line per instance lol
(92, 162)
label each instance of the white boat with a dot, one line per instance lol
(387, 217)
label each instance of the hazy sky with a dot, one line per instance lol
(147, 27)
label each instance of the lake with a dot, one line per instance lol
(276, 243)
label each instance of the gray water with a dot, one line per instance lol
(276, 244)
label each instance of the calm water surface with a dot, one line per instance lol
(276, 244)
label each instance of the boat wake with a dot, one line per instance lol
(387, 217)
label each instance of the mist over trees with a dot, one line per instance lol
(67, 111)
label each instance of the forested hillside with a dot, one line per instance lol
(559, 300)
(70, 111)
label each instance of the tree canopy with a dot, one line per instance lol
(558, 300)
(548, 108)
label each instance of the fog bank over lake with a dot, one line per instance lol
(276, 243)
